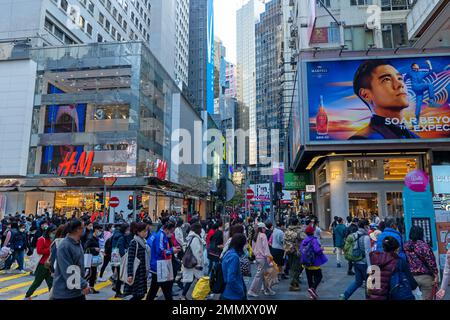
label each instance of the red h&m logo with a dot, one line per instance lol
(70, 165)
(161, 169)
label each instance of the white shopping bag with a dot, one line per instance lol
(164, 270)
(87, 260)
(34, 261)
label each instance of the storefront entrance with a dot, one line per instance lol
(363, 205)
(69, 202)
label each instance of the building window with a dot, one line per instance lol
(394, 35)
(59, 33)
(119, 19)
(397, 169)
(91, 7)
(89, 29)
(363, 205)
(108, 5)
(82, 22)
(360, 169)
(394, 203)
(113, 32)
(99, 38)
(387, 5)
(325, 2)
(48, 25)
(107, 25)
(125, 25)
(64, 5)
(361, 2)
(114, 13)
(322, 175)
(101, 18)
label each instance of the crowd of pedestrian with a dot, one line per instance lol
(178, 255)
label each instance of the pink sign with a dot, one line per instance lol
(417, 180)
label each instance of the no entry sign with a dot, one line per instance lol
(250, 194)
(114, 202)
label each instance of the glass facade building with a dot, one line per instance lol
(113, 99)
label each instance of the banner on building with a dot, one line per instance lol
(295, 181)
(373, 99)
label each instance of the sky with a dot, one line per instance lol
(225, 25)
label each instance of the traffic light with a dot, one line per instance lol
(139, 202)
(99, 197)
(222, 189)
(130, 202)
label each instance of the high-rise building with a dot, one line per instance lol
(231, 80)
(269, 47)
(246, 17)
(169, 37)
(58, 22)
(201, 55)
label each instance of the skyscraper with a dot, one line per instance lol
(201, 55)
(269, 45)
(246, 17)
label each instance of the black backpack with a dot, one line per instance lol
(216, 282)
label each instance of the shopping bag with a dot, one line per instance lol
(201, 289)
(115, 258)
(97, 260)
(164, 270)
(124, 267)
(33, 262)
(87, 260)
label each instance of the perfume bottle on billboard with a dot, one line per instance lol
(322, 119)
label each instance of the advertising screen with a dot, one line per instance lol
(374, 99)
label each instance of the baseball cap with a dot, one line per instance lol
(262, 225)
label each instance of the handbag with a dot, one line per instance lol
(115, 257)
(124, 267)
(189, 260)
(96, 261)
(164, 271)
(244, 264)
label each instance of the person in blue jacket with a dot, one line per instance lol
(160, 249)
(234, 281)
(391, 230)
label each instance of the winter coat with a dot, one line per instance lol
(197, 246)
(293, 237)
(43, 247)
(91, 244)
(118, 241)
(389, 232)
(232, 276)
(339, 235)
(139, 286)
(159, 248)
(320, 258)
(387, 262)
(421, 258)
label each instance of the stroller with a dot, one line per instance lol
(5, 253)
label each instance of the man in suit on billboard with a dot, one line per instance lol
(382, 88)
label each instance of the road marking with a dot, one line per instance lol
(17, 276)
(39, 292)
(15, 286)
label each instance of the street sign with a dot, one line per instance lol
(114, 202)
(250, 194)
(310, 188)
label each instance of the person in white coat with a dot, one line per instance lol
(195, 242)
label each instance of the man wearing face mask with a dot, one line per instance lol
(18, 245)
(93, 247)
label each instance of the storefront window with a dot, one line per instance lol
(362, 169)
(394, 204)
(322, 176)
(76, 202)
(104, 118)
(397, 169)
(363, 205)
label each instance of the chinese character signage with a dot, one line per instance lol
(295, 181)
(372, 99)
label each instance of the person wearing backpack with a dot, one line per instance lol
(351, 228)
(136, 284)
(422, 262)
(18, 245)
(193, 255)
(312, 258)
(338, 234)
(293, 237)
(357, 249)
(215, 245)
(232, 275)
(391, 269)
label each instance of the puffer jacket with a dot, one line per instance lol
(387, 262)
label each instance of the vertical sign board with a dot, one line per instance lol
(210, 58)
(441, 203)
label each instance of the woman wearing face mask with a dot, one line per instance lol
(42, 272)
(137, 283)
(93, 247)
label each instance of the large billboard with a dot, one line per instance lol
(375, 99)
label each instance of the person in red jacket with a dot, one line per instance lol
(43, 247)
